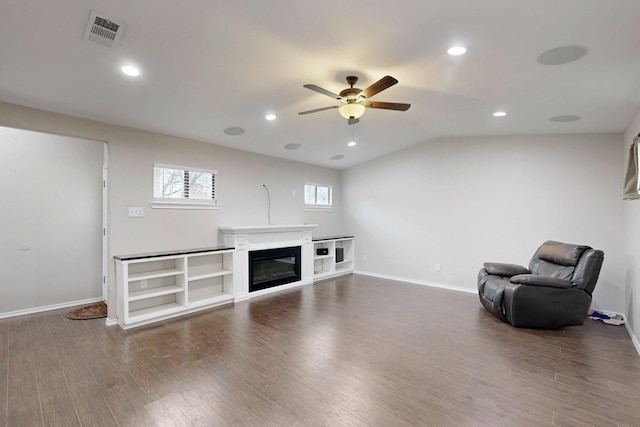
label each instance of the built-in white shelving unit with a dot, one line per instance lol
(338, 258)
(158, 286)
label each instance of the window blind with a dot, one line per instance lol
(177, 183)
(318, 195)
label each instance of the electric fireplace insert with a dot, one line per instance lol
(274, 267)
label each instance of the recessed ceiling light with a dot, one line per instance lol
(337, 157)
(130, 70)
(457, 50)
(351, 144)
(561, 55)
(270, 116)
(499, 114)
(565, 118)
(234, 131)
(293, 146)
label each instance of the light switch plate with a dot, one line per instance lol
(136, 212)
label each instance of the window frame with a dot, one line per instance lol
(184, 202)
(315, 206)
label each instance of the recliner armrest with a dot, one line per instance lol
(537, 280)
(504, 270)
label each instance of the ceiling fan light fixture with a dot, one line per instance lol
(354, 101)
(351, 110)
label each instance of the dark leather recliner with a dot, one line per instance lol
(555, 291)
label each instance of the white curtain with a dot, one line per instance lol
(631, 178)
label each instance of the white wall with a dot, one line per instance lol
(461, 201)
(632, 243)
(241, 196)
(50, 219)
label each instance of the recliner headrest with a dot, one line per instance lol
(561, 253)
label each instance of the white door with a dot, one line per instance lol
(51, 220)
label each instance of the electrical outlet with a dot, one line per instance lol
(293, 193)
(364, 257)
(136, 212)
(437, 267)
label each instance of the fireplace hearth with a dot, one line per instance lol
(274, 267)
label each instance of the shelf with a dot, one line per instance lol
(178, 252)
(154, 292)
(159, 286)
(344, 266)
(209, 275)
(154, 274)
(332, 238)
(326, 266)
(155, 311)
(319, 276)
(213, 299)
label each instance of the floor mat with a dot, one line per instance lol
(93, 311)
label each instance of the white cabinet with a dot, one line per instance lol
(158, 286)
(332, 256)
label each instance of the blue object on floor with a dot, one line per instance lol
(598, 315)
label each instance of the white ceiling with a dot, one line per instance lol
(209, 65)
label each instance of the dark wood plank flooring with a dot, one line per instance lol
(354, 351)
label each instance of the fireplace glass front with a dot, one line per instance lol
(274, 267)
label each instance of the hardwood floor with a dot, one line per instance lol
(346, 352)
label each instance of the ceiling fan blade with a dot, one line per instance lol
(322, 91)
(389, 105)
(379, 86)
(317, 109)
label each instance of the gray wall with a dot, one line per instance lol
(242, 198)
(50, 219)
(459, 202)
(632, 245)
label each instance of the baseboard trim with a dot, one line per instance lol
(111, 322)
(49, 308)
(417, 282)
(241, 298)
(634, 340)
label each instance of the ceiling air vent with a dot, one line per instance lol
(102, 30)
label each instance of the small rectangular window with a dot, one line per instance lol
(320, 196)
(179, 185)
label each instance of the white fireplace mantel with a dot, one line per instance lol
(251, 229)
(257, 237)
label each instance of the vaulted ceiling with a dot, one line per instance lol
(206, 66)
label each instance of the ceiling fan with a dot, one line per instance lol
(354, 101)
